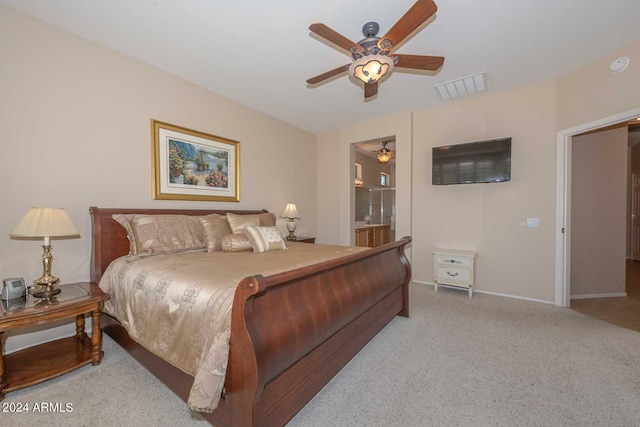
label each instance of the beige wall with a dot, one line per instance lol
(487, 217)
(76, 133)
(598, 212)
(371, 170)
(592, 92)
(328, 178)
(512, 260)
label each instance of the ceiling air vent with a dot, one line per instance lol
(461, 87)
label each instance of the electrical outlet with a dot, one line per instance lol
(532, 222)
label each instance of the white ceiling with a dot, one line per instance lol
(215, 43)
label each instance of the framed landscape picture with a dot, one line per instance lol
(192, 165)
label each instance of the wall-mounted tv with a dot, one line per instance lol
(473, 162)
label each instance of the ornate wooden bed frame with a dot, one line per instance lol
(273, 372)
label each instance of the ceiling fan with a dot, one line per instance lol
(373, 56)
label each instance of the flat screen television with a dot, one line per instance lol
(473, 162)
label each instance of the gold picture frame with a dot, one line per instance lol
(192, 165)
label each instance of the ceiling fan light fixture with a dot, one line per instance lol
(374, 57)
(371, 68)
(384, 154)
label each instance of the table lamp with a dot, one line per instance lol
(291, 213)
(45, 223)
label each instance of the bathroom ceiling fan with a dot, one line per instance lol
(373, 57)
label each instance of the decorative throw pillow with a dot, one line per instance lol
(239, 222)
(264, 239)
(125, 222)
(235, 243)
(267, 219)
(215, 228)
(162, 234)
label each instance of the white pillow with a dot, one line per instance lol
(264, 239)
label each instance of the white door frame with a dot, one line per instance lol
(563, 201)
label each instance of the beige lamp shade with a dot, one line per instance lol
(45, 222)
(371, 68)
(290, 211)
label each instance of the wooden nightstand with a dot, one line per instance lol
(306, 239)
(52, 359)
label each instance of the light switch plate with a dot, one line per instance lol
(532, 222)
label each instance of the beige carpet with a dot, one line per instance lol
(485, 361)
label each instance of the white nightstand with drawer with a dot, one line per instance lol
(454, 268)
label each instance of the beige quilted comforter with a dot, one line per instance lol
(178, 306)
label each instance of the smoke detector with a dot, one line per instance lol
(619, 65)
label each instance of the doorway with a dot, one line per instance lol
(622, 310)
(563, 194)
(374, 204)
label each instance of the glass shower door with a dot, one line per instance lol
(383, 207)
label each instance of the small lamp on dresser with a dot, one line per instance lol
(45, 223)
(291, 213)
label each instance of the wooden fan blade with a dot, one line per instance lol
(328, 74)
(370, 89)
(419, 62)
(416, 16)
(332, 36)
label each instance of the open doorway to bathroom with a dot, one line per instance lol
(375, 200)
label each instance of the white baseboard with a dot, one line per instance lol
(493, 293)
(422, 283)
(609, 295)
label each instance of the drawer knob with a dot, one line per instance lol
(452, 261)
(452, 274)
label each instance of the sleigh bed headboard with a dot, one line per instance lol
(109, 239)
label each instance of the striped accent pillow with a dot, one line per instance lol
(215, 228)
(264, 239)
(235, 243)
